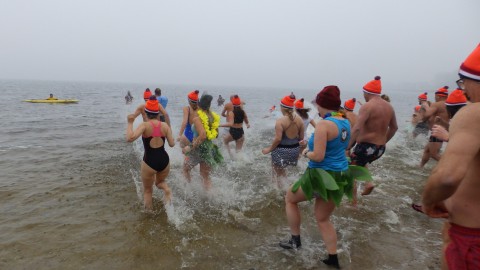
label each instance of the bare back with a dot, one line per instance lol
(293, 129)
(374, 120)
(462, 160)
(438, 109)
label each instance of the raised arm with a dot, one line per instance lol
(133, 135)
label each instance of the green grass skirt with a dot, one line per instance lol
(330, 185)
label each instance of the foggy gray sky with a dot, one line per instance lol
(275, 43)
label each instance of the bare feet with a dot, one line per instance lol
(167, 196)
(368, 188)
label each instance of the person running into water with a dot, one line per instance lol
(285, 146)
(202, 150)
(307, 120)
(430, 114)
(326, 152)
(419, 126)
(375, 126)
(163, 100)
(453, 188)
(141, 109)
(128, 98)
(185, 136)
(220, 100)
(155, 165)
(235, 120)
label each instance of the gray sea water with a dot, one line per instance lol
(71, 198)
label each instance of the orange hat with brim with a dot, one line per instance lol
(442, 91)
(470, 68)
(288, 101)
(350, 104)
(147, 94)
(236, 101)
(193, 96)
(151, 106)
(457, 97)
(373, 87)
(299, 104)
(423, 97)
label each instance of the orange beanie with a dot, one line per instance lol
(423, 97)
(193, 96)
(457, 97)
(236, 100)
(350, 104)
(147, 94)
(373, 87)
(151, 106)
(288, 101)
(442, 91)
(299, 104)
(470, 68)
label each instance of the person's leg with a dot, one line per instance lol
(291, 208)
(426, 155)
(278, 174)
(226, 140)
(239, 144)
(435, 150)
(205, 173)
(148, 177)
(323, 211)
(162, 184)
(187, 168)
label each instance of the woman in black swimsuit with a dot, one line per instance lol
(156, 163)
(235, 120)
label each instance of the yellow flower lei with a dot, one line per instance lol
(212, 132)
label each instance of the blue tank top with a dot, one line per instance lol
(335, 158)
(163, 100)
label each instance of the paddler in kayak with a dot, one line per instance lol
(52, 97)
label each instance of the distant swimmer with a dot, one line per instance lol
(202, 150)
(375, 126)
(327, 164)
(432, 114)
(220, 100)
(453, 188)
(285, 147)
(51, 97)
(272, 109)
(163, 100)
(185, 135)
(156, 162)
(128, 98)
(235, 120)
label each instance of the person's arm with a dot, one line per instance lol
(184, 122)
(440, 132)
(169, 135)
(133, 135)
(428, 112)
(276, 140)
(202, 136)
(245, 119)
(439, 121)
(301, 133)
(138, 111)
(463, 146)
(312, 122)
(229, 123)
(392, 126)
(363, 115)
(224, 111)
(164, 112)
(319, 142)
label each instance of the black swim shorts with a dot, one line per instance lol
(366, 153)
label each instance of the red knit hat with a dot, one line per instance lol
(373, 87)
(193, 96)
(147, 94)
(442, 91)
(236, 100)
(349, 105)
(423, 97)
(151, 106)
(457, 97)
(329, 98)
(299, 103)
(417, 108)
(288, 101)
(470, 68)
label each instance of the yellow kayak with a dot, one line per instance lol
(52, 100)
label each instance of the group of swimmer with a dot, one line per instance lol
(338, 152)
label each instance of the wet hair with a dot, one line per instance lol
(303, 112)
(452, 110)
(151, 115)
(288, 111)
(205, 102)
